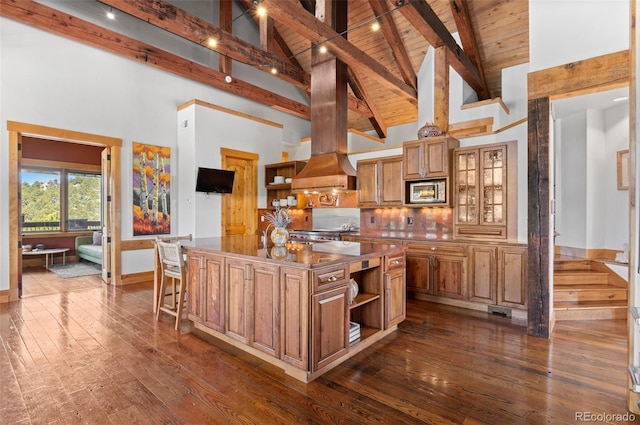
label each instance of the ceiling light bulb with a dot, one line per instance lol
(274, 70)
(212, 42)
(111, 15)
(375, 26)
(228, 79)
(261, 11)
(323, 49)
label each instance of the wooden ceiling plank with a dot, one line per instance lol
(292, 14)
(425, 20)
(174, 20)
(57, 22)
(467, 35)
(394, 40)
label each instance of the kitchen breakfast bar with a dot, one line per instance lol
(304, 307)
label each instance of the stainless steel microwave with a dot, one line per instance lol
(428, 192)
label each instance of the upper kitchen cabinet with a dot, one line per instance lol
(380, 182)
(485, 191)
(429, 157)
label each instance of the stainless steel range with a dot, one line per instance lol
(318, 235)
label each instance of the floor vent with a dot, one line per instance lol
(500, 311)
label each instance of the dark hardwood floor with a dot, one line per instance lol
(97, 356)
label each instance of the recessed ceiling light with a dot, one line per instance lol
(620, 99)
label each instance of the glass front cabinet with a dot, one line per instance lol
(485, 191)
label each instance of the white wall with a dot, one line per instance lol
(52, 81)
(563, 31)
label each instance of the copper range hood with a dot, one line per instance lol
(328, 167)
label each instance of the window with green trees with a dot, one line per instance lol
(60, 200)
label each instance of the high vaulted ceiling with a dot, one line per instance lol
(382, 65)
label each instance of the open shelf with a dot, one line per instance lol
(365, 332)
(362, 299)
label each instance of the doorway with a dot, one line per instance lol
(111, 181)
(239, 209)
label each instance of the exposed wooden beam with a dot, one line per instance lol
(591, 75)
(173, 19)
(266, 33)
(376, 119)
(290, 13)
(441, 88)
(425, 20)
(64, 25)
(461, 16)
(392, 35)
(226, 19)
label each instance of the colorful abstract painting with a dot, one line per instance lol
(151, 190)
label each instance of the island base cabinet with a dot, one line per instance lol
(236, 271)
(205, 290)
(395, 296)
(330, 329)
(294, 313)
(264, 321)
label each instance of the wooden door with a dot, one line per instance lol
(195, 283)
(482, 276)
(418, 279)
(239, 208)
(512, 276)
(236, 274)
(367, 181)
(330, 328)
(106, 214)
(294, 313)
(437, 158)
(449, 276)
(413, 161)
(213, 289)
(390, 181)
(265, 317)
(395, 297)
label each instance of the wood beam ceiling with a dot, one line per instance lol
(45, 18)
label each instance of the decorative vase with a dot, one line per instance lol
(279, 252)
(429, 130)
(279, 236)
(353, 290)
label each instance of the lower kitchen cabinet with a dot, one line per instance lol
(263, 318)
(330, 329)
(512, 276)
(439, 270)
(237, 323)
(395, 294)
(294, 313)
(483, 273)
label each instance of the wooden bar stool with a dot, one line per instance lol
(172, 266)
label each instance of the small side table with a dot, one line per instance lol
(48, 252)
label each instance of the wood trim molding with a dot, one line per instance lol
(129, 279)
(58, 164)
(228, 111)
(59, 134)
(135, 244)
(481, 103)
(240, 154)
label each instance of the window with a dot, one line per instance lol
(60, 200)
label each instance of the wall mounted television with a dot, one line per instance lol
(211, 180)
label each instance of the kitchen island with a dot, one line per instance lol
(292, 305)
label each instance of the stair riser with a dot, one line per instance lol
(572, 265)
(591, 314)
(588, 295)
(580, 279)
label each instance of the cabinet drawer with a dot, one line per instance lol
(448, 249)
(328, 278)
(394, 262)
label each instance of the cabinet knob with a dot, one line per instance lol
(433, 248)
(332, 278)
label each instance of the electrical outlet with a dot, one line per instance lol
(373, 219)
(409, 220)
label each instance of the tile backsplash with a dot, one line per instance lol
(427, 222)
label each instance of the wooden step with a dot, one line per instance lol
(590, 292)
(579, 277)
(590, 310)
(571, 265)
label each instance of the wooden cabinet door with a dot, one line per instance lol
(413, 160)
(512, 276)
(482, 274)
(436, 157)
(390, 183)
(213, 279)
(195, 285)
(264, 318)
(418, 271)
(367, 181)
(236, 276)
(395, 297)
(294, 313)
(449, 276)
(330, 327)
